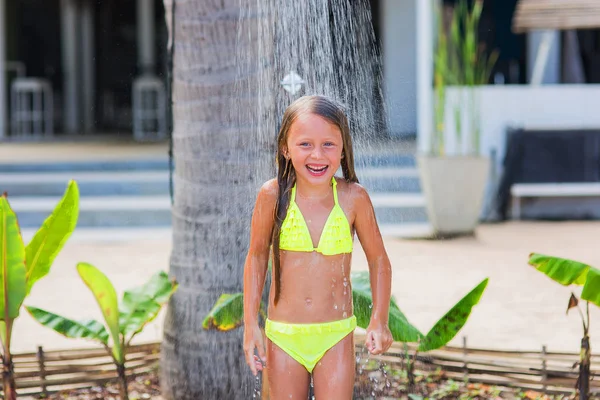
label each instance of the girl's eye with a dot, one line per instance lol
(329, 144)
(304, 144)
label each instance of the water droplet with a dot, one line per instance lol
(345, 314)
(345, 284)
(371, 305)
(335, 306)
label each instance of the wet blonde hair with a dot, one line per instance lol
(286, 175)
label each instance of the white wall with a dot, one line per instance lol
(531, 107)
(399, 64)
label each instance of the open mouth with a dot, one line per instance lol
(317, 170)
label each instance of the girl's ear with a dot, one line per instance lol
(285, 153)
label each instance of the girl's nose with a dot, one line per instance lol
(316, 153)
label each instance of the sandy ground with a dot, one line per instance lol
(520, 309)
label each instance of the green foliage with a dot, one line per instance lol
(452, 322)
(227, 314)
(12, 257)
(141, 305)
(402, 330)
(52, 235)
(460, 61)
(106, 296)
(138, 307)
(22, 266)
(568, 272)
(89, 329)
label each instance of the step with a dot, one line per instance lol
(106, 211)
(378, 160)
(157, 182)
(407, 231)
(397, 200)
(161, 163)
(388, 172)
(390, 179)
(90, 183)
(110, 234)
(399, 208)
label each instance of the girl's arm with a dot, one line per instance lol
(379, 338)
(255, 270)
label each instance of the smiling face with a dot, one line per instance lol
(314, 147)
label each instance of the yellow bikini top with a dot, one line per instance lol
(336, 237)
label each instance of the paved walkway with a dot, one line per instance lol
(521, 308)
(97, 147)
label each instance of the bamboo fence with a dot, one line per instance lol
(45, 372)
(543, 371)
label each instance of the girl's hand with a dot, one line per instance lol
(379, 337)
(253, 339)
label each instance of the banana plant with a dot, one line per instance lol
(568, 272)
(227, 314)
(22, 266)
(124, 321)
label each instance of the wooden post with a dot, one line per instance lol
(544, 371)
(465, 353)
(40, 357)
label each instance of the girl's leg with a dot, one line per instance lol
(288, 379)
(333, 377)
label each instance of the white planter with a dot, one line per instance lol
(454, 188)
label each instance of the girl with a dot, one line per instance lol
(309, 217)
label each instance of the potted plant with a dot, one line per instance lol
(454, 174)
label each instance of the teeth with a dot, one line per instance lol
(317, 169)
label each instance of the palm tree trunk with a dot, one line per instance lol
(219, 164)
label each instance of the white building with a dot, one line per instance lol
(89, 52)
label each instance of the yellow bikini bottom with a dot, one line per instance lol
(307, 343)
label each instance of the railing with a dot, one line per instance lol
(52, 371)
(45, 372)
(544, 371)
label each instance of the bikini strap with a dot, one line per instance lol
(293, 199)
(334, 182)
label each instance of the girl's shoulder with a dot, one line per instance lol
(352, 192)
(268, 192)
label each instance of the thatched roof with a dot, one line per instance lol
(556, 14)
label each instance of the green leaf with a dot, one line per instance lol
(561, 270)
(105, 295)
(402, 330)
(90, 329)
(142, 304)
(12, 263)
(52, 235)
(591, 288)
(450, 324)
(227, 313)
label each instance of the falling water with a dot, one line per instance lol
(229, 61)
(330, 46)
